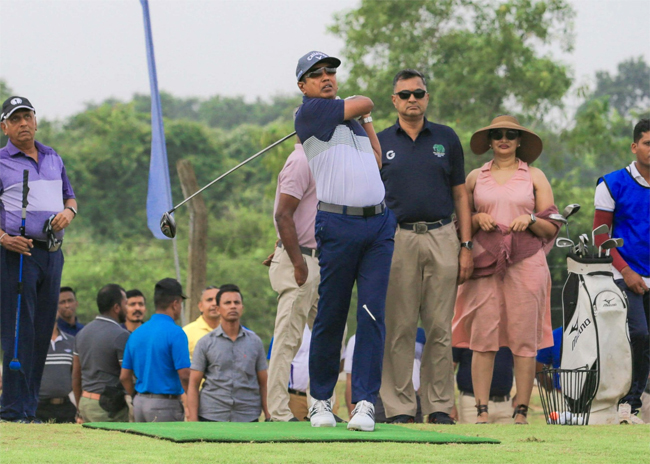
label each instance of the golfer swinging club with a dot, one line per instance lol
(354, 233)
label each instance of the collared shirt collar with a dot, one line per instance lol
(637, 175)
(107, 319)
(13, 150)
(202, 324)
(65, 323)
(425, 127)
(220, 333)
(62, 336)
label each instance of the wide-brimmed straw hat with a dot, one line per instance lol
(531, 145)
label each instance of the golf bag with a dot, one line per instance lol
(596, 335)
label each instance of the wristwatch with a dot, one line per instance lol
(533, 219)
(365, 120)
(469, 245)
(74, 211)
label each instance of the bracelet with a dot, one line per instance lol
(74, 211)
(1, 237)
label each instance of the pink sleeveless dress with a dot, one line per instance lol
(512, 310)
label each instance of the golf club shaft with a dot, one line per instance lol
(23, 218)
(232, 170)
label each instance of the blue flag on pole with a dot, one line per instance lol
(159, 193)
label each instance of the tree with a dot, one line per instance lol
(628, 90)
(481, 57)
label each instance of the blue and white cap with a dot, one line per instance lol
(14, 103)
(311, 59)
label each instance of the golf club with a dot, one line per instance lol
(611, 243)
(601, 229)
(584, 247)
(14, 364)
(563, 242)
(167, 222)
(569, 210)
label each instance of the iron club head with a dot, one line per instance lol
(570, 210)
(558, 218)
(611, 243)
(563, 242)
(168, 224)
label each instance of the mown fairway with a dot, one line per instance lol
(69, 444)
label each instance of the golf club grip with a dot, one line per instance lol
(273, 145)
(25, 190)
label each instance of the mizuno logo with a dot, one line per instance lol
(574, 327)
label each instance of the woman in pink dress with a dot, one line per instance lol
(507, 301)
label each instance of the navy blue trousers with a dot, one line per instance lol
(637, 322)
(352, 249)
(40, 300)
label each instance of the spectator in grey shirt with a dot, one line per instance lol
(96, 364)
(232, 361)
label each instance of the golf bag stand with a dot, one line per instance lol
(596, 334)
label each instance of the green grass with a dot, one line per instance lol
(69, 444)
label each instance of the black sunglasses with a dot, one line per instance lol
(497, 134)
(319, 72)
(406, 94)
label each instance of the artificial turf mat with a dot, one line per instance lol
(259, 432)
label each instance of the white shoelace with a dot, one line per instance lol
(364, 407)
(319, 407)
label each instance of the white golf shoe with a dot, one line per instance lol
(320, 414)
(363, 417)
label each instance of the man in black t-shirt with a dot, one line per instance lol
(423, 172)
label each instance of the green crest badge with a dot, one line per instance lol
(438, 150)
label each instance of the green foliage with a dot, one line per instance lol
(629, 90)
(481, 57)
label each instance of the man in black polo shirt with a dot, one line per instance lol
(424, 175)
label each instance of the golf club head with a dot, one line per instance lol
(619, 242)
(168, 225)
(563, 242)
(558, 217)
(570, 210)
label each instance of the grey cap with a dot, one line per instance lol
(14, 103)
(311, 59)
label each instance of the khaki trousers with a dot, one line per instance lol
(296, 307)
(422, 285)
(499, 413)
(299, 406)
(91, 411)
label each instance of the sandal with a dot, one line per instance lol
(480, 409)
(522, 410)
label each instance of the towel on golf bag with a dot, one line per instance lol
(595, 332)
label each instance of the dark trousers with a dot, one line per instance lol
(58, 413)
(352, 249)
(40, 299)
(637, 321)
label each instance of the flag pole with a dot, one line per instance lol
(159, 192)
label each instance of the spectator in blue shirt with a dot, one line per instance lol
(158, 355)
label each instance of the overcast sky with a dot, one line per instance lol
(64, 53)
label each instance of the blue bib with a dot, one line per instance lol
(631, 219)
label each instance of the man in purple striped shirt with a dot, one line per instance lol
(50, 193)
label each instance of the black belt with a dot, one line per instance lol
(160, 397)
(424, 227)
(297, 392)
(366, 211)
(40, 244)
(313, 252)
(495, 398)
(57, 401)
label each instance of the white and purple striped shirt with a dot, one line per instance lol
(48, 185)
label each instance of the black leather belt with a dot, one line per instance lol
(366, 211)
(57, 401)
(313, 252)
(160, 397)
(495, 398)
(297, 392)
(42, 245)
(424, 227)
